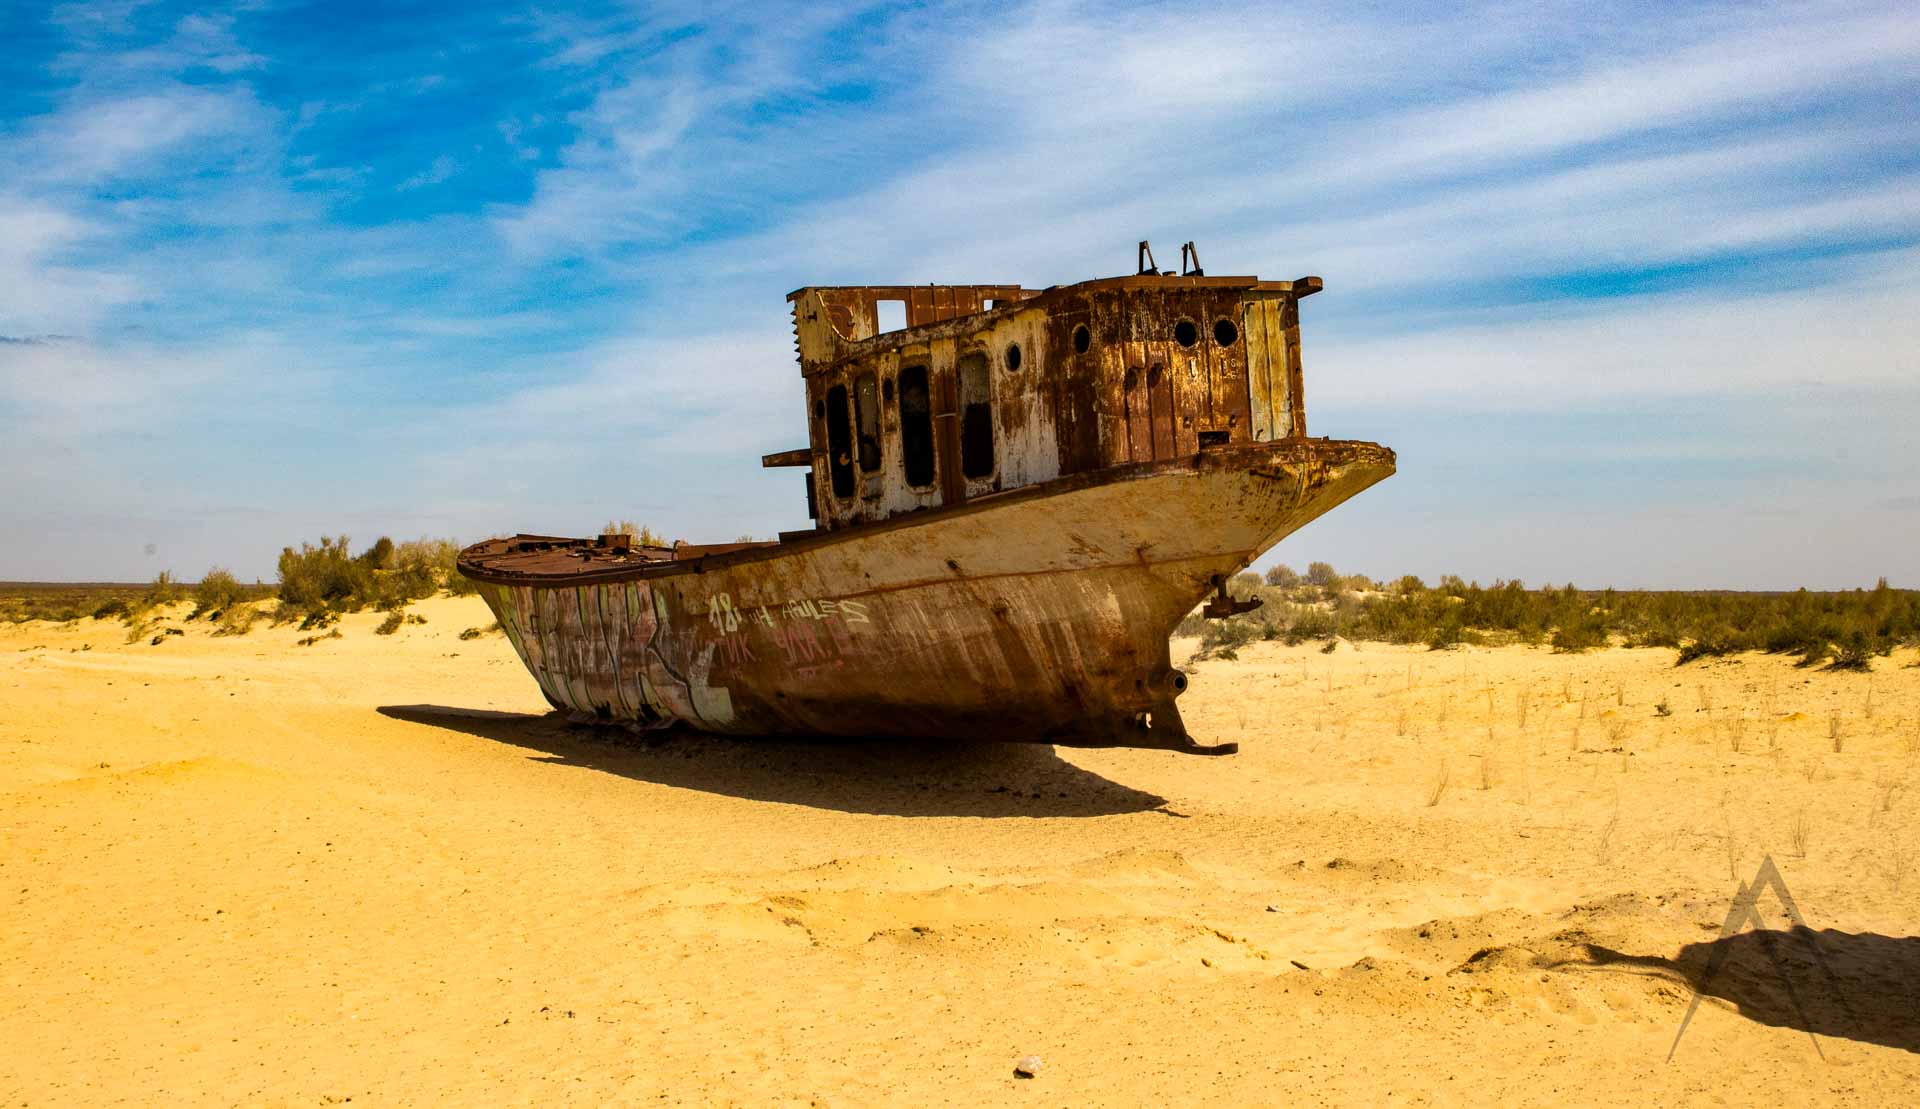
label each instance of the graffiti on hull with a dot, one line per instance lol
(613, 651)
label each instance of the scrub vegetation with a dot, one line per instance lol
(1842, 630)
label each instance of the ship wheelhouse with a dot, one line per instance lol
(980, 389)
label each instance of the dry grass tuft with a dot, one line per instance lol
(1440, 784)
(1886, 784)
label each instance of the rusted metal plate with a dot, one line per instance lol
(1270, 374)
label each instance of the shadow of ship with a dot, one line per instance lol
(884, 777)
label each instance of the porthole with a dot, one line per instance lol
(1185, 333)
(1082, 339)
(1013, 356)
(1224, 333)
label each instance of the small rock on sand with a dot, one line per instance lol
(1028, 1066)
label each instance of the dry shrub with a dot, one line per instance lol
(643, 536)
(237, 619)
(219, 591)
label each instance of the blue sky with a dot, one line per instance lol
(1634, 290)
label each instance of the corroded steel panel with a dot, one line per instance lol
(1296, 394)
(1269, 373)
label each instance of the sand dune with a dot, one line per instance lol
(243, 870)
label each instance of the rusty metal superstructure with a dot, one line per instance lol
(1017, 495)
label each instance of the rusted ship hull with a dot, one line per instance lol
(1038, 614)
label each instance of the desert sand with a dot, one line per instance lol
(244, 871)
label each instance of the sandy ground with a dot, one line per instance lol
(239, 870)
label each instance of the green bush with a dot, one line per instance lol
(165, 590)
(322, 577)
(1580, 635)
(218, 591)
(386, 576)
(1855, 654)
(1446, 635)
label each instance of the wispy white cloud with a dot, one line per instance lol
(1860, 333)
(1770, 57)
(93, 140)
(44, 294)
(442, 169)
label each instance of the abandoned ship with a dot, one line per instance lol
(1017, 496)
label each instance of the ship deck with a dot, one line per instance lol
(559, 561)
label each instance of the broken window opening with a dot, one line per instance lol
(889, 315)
(839, 449)
(866, 417)
(976, 417)
(1013, 356)
(1082, 339)
(916, 426)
